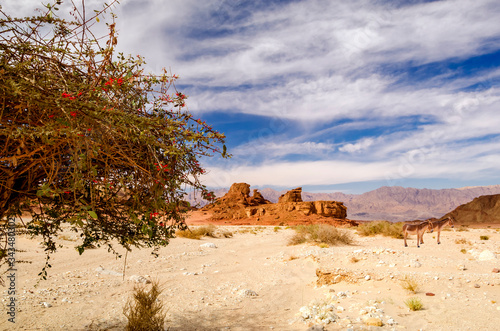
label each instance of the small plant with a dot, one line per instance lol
(484, 237)
(463, 251)
(197, 233)
(354, 259)
(323, 245)
(292, 257)
(462, 241)
(410, 284)
(226, 233)
(414, 304)
(394, 230)
(145, 311)
(277, 228)
(320, 234)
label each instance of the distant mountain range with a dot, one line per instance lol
(391, 203)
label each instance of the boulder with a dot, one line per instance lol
(294, 195)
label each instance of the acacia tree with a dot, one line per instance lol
(88, 139)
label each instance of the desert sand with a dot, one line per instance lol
(256, 281)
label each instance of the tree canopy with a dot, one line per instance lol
(88, 139)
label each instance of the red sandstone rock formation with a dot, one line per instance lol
(238, 204)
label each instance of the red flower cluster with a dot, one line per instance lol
(160, 167)
(68, 96)
(110, 82)
(153, 215)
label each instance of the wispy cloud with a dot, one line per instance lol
(328, 92)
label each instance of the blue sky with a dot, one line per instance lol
(332, 95)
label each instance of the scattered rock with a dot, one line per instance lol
(416, 264)
(487, 255)
(103, 271)
(373, 321)
(429, 294)
(496, 270)
(139, 279)
(368, 277)
(477, 286)
(46, 305)
(316, 328)
(248, 293)
(461, 267)
(208, 245)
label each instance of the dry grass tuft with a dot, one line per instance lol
(484, 237)
(462, 241)
(394, 230)
(410, 284)
(320, 234)
(354, 259)
(198, 232)
(414, 304)
(145, 311)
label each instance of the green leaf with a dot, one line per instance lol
(92, 214)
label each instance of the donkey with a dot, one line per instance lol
(418, 229)
(439, 225)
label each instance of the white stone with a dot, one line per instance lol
(46, 305)
(248, 293)
(139, 279)
(487, 255)
(208, 245)
(367, 277)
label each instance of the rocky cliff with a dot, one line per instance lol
(482, 210)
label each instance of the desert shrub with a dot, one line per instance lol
(277, 228)
(226, 233)
(414, 304)
(394, 230)
(463, 251)
(410, 284)
(253, 230)
(144, 311)
(354, 259)
(320, 234)
(484, 237)
(198, 232)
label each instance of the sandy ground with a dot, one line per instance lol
(255, 281)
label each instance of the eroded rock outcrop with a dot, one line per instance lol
(294, 195)
(237, 204)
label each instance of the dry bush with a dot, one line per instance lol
(198, 233)
(462, 241)
(394, 230)
(484, 237)
(145, 311)
(253, 230)
(321, 234)
(410, 284)
(414, 304)
(354, 259)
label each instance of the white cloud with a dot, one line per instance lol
(357, 147)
